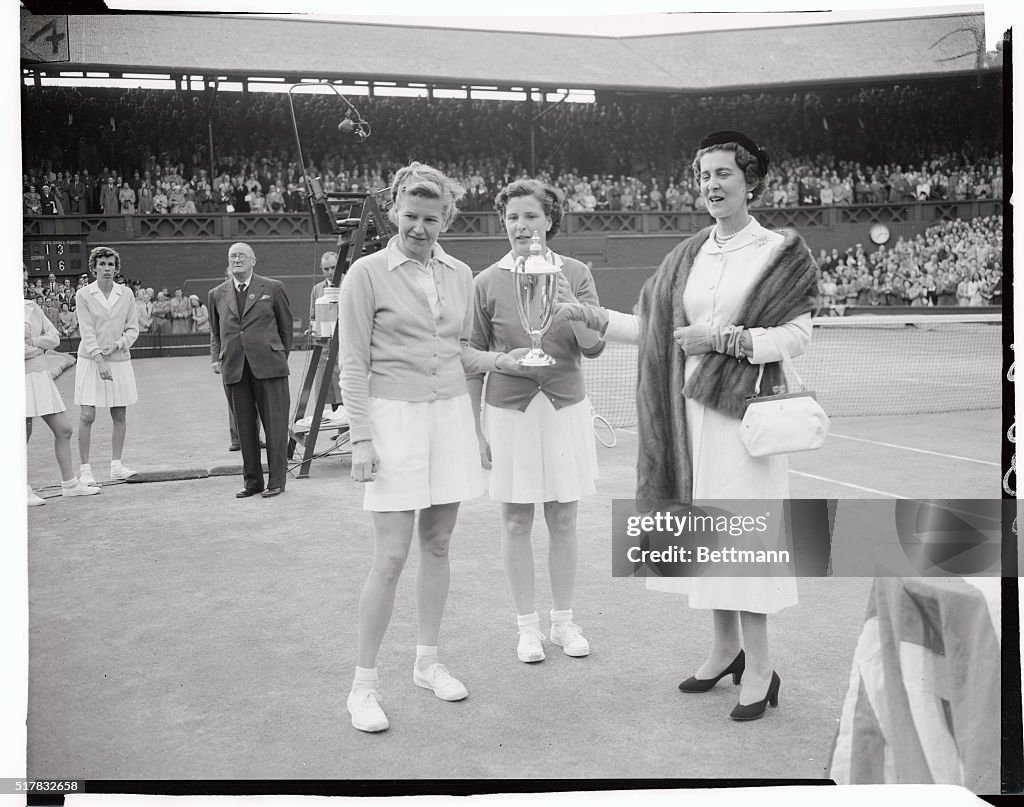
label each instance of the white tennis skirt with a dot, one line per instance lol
(41, 395)
(91, 390)
(428, 454)
(543, 454)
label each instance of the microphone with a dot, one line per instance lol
(359, 128)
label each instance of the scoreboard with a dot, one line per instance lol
(61, 255)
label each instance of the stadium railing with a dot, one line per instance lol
(473, 223)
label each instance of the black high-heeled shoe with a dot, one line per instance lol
(752, 711)
(695, 684)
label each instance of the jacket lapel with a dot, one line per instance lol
(228, 290)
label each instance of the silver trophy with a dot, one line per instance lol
(536, 281)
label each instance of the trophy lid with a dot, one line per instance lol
(537, 263)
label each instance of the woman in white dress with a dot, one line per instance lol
(108, 321)
(717, 308)
(42, 399)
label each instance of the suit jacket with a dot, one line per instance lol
(110, 205)
(261, 333)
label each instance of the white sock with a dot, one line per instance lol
(84, 467)
(426, 656)
(115, 465)
(69, 483)
(365, 678)
(561, 616)
(525, 620)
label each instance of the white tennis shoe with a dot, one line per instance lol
(364, 706)
(445, 685)
(569, 637)
(79, 489)
(531, 644)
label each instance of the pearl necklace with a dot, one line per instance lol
(723, 240)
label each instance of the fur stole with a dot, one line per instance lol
(786, 289)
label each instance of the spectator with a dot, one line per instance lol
(68, 326)
(32, 202)
(144, 307)
(161, 204)
(274, 200)
(827, 289)
(686, 199)
(181, 314)
(161, 314)
(48, 202)
(176, 199)
(200, 314)
(973, 290)
(50, 309)
(126, 198)
(294, 202)
(188, 206)
(76, 194)
(110, 203)
(145, 198)
(60, 191)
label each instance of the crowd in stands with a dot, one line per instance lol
(951, 263)
(160, 312)
(146, 152)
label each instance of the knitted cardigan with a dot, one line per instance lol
(786, 289)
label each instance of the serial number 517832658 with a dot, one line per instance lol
(44, 785)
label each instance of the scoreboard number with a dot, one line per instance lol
(55, 254)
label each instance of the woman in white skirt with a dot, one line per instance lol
(108, 321)
(536, 432)
(42, 399)
(721, 305)
(404, 313)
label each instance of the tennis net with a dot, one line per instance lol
(859, 365)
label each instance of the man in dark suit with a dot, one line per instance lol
(250, 337)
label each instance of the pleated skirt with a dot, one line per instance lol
(41, 395)
(543, 454)
(91, 390)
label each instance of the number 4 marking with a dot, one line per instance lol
(54, 38)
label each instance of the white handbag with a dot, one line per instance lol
(786, 423)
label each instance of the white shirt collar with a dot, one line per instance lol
(94, 288)
(396, 257)
(237, 285)
(509, 262)
(750, 233)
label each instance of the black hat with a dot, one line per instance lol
(729, 136)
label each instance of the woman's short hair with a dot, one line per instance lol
(425, 181)
(550, 198)
(745, 161)
(103, 252)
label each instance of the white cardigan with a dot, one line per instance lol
(101, 326)
(42, 335)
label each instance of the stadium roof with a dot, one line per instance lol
(238, 45)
